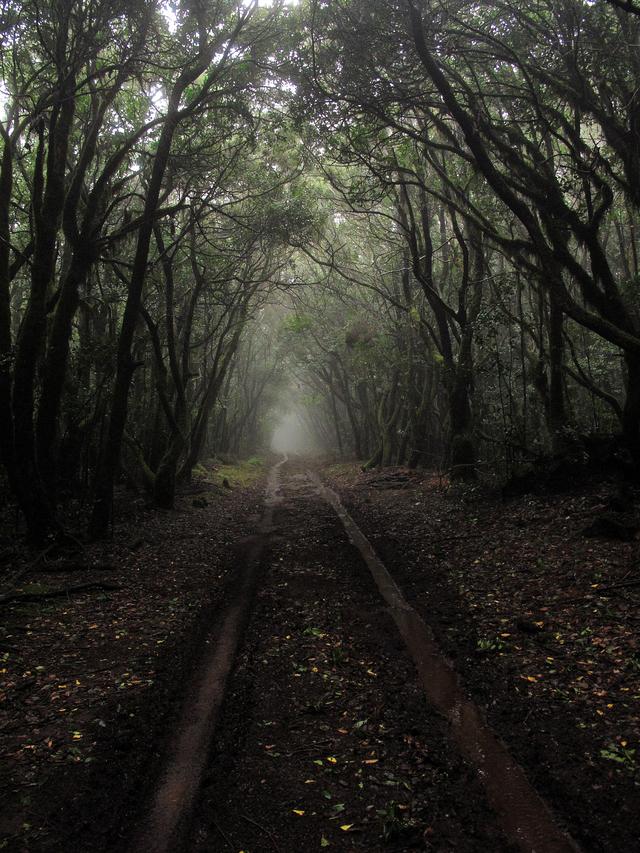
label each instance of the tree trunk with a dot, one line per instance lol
(55, 371)
(110, 456)
(47, 205)
(631, 411)
(7, 449)
(336, 422)
(463, 451)
(556, 412)
(199, 428)
(164, 487)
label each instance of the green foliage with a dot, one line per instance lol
(298, 323)
(490, 644)
(621, 755)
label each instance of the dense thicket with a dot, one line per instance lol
(415, 223)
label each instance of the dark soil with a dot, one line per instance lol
(90, 684)
(327, 740)
(541, 622)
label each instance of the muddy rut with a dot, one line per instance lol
(332, 720)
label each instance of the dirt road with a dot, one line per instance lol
(341, 726)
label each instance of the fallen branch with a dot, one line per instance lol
(222, 833)
(266, 831)
(65, 592)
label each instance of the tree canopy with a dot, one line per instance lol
(413, 224)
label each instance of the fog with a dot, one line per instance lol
(293, 437)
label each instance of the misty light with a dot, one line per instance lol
(292, 436)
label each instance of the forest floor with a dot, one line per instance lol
(325, 738)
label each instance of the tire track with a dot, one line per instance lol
(525, 818)
(169, 811)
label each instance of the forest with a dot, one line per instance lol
(384, 247)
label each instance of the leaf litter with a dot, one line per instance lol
(540, 621)
(364, 758)
(86, 681)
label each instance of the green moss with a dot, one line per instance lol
(238, 474)
(201, 472)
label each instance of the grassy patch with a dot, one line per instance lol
(237, 474)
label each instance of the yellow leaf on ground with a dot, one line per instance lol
(298, 812)
(346, 827)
